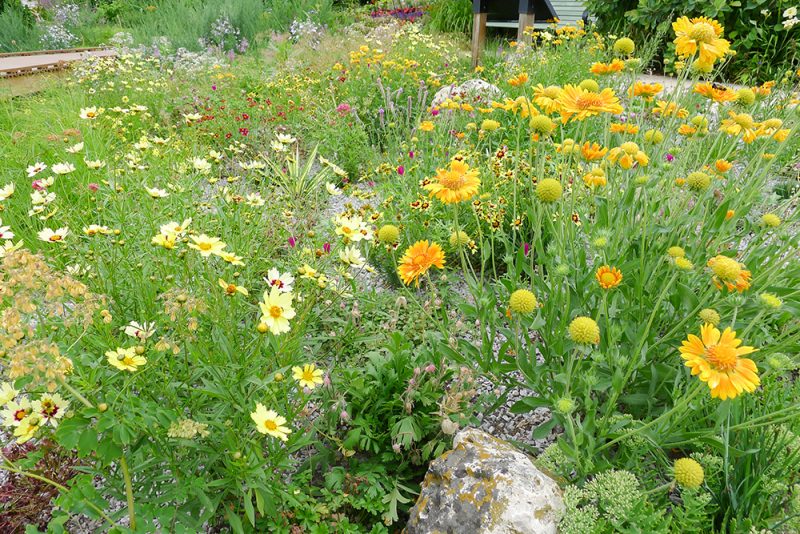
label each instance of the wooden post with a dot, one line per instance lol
(526, 18)
(479, 15)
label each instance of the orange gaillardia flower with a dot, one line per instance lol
(717, 93)
(717, 360)
(730, 273)
(579, 104)
(455, 184)
(593, 151)
(418, 259)
(616, 65)
(701, 36)
(608, 277)
(645, 90)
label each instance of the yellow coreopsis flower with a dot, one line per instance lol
(207, 245)
(276, 310)
(270, 423)
(125, 359)
(232, 289)
(307, 376)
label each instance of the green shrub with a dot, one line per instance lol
(450, 16)
(765, 49)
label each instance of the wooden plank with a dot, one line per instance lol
(478, 36)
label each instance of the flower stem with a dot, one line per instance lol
(128, 491)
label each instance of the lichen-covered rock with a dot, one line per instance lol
(471, 91)
(485, 486)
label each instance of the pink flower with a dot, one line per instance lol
(38, 185)
(435, 111)
(292, 241)
(411, 154)
(527, 248)
(670, 157)
(343, 108)
(401, 170)
(326, 247)
(430, 368)
(93, 186)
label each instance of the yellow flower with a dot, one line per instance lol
(522, 301)
(676, 252)
(684, 264)
(707, 315)
(307, 376)
(207, 245)
(7, 393)
(459, 239)
(593, 151)
(688, 473)
(28, 427)
(608, 277)
(645, 90)
(125, 359)
(770, 300)
(601, 69)
(426, 126)
(490, 125)
(700, 35)
(667, 109)
(715, 92)
(232, 289)
(549, 190)
(699, 181)
(547, 97)
(770, 219)
(716, 359)
(740, 124)
(455, 184)
(576, 103)
(270, 423)
(418, 259)
(276, 310)
(624, 46)
(584, 330)
(388, 234)
(729, 272)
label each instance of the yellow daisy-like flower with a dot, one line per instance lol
(270, 423)
(418, 259)
(456, 184)
(717, 93)
(125, 359)
(716, 358)
(307, 376)
(207, 245)
(232, 289)
(28, 428)
(578, 104)
(608, 277)
(276, 310)
(701, 36)
(645, 90)
(741, 124)
(547, 97)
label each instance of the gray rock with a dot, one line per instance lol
(472, 91)
(485, 486)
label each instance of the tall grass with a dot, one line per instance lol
(17, 31)
(450, 16)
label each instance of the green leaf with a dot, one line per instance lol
(248, 507)
(529, 404)
(87, 442)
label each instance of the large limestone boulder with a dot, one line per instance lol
(474, 91)
(485, 486)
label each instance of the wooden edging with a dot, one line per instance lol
(46, 52)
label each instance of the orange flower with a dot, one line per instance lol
(418, 259)
(717, 93)
(666, 109)
(730, 273)
(519, 79)
(616, 65)
(455, 184)
(646, 90)
(716, 359)
(722, 166)
(576, 103)
(592, 152)
(622, 128)
(608, 277)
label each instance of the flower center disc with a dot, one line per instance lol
(722, 357)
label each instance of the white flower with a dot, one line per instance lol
(174, 229)
(790, 13)
(285, 139)
(277, 146)
(6, 191)
(191, 117)
(139, 331)
(142, 144)
(5, 233)
(156, 192)
(332, 189)
(790, 23)
(53, 236)
(7, 393)
(351, 256)
(95, 164)
(63, 168)
(74, 149)
(91, 113)
(201, 165)
(216, 156)
(35, 169)
(254, 199)
(281, 281)
(9, 246)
